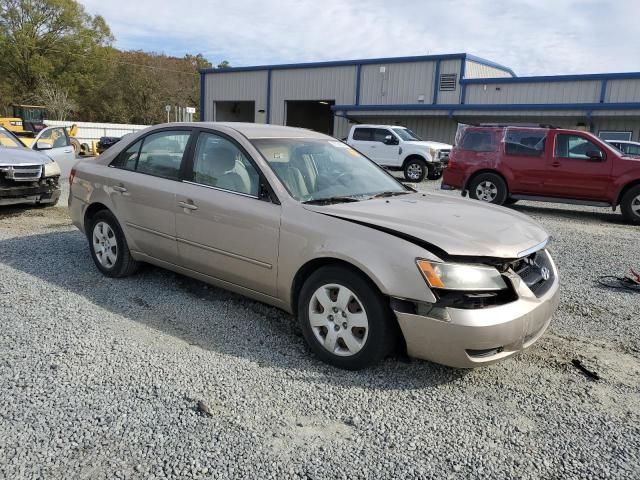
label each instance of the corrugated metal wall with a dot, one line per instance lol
(236, 86)
(534, 92)
(330, 83)
(623, 91)
(478, 70)
(399, 83)
(450, 66)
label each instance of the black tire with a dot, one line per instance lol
(630, 205)
(381, 332)
(434, 174)
(415, 170)
(496, 186)
(124, 265)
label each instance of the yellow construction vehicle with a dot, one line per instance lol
(28, 120)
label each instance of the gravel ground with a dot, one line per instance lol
(102, 378)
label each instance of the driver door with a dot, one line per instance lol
(61, 149)
(383, 153)
(572, 173)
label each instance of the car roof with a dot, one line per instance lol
(254, 130)
(378, 125)
(628, 142)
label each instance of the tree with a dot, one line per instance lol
(47, 38)
(224, 64)
(57, 100)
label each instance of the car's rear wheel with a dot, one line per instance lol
(108, 246)
(344, 319)
(630, 205)
(489, 188)
(415, 169)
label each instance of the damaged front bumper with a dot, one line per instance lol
(467, 338)
(43, 191)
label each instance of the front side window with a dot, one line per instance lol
(380, 134)
(524, 142)
(478, 142)
(161, 154)
(56, 137)
(219, 163)
(575, 147)
(363, 134)
(319, 169)
(630, 149)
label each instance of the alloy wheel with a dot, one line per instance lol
(486, 191)
(338, 320)
(635, 206)
(414, 171)
(105, 246)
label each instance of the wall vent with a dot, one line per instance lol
(448, 82)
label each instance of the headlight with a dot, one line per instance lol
(458, 276)
(51, 169)
(434, 153)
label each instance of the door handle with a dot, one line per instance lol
(119, 188)
(189, 205)
(555, 164)
(68, 151)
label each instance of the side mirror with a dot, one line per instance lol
(595, 155)
(390, 140)
(42, 145)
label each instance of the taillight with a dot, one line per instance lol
(72, 175)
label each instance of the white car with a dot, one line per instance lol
(626, 146)
(55, 143)
(398, 148)
(26, 176)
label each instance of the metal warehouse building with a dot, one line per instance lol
(429, 94)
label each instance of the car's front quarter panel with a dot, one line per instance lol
(388, 261)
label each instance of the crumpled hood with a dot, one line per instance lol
(436, 145)
(17, 156)
(459, 226)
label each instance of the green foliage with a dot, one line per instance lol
(54, 45)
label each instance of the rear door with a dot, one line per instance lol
(572, 173)
(524, 160)
(61, 149)
(224, 228)
(143, 187)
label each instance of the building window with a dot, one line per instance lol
(448, 82)
(614, 135)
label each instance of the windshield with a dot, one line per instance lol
(318, 169)
(406, 134)
(8, 140)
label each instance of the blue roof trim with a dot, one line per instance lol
(339, 63)
(522, 106)
(555, 78)
(489, 63)
(202, 95)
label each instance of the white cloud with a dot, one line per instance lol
(530, 36)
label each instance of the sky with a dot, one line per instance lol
(533, 37)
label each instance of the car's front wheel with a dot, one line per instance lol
(630, 205)
(344, 319)
(490, 188)
(415, 169)
(108, 246)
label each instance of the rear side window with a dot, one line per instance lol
(478, 142)
(524, 142)
(159, 154)
(364, 134)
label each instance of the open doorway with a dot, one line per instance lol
(313, 114)
(234, 111)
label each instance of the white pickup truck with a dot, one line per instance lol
(398, 148)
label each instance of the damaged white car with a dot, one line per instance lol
(26, 176)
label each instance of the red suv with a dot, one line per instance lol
(504, 164)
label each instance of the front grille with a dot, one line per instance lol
(536, 271)
(22, 173)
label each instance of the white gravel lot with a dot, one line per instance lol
(101, 378)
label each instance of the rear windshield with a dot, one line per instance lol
(476, 141)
